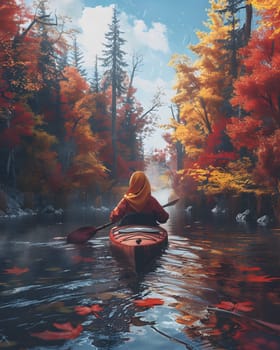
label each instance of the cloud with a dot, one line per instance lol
(94, 24)
(141, 37)
(154, 37)
(148, 88)
(70, 8)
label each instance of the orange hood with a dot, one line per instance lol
(139, 191)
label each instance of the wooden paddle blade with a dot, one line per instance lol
(81, 235)
(171, 203)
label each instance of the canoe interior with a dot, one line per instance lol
(138, 245)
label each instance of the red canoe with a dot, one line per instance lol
(139, 244)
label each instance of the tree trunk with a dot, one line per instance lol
(114, 130)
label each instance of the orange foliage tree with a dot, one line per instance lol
(82, 146)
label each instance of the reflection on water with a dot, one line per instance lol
(219, 286)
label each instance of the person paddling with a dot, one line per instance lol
(138, 206)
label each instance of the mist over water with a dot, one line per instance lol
(160, 183)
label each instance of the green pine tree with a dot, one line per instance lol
(114, 75)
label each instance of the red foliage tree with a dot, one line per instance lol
(257, 92)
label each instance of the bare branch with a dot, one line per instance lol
(19, 37)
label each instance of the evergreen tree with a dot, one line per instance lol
(114, 75)
(95, 82)
(77, 59)
(239, 36)
(47, 100)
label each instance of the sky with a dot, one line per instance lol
(153, 29)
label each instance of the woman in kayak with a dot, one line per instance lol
(138, 206)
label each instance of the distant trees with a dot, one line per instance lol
(129, 122)
(59, 133)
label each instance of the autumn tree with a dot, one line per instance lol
(83, 167)
(257, 93)
(204, 90)
(18, 80)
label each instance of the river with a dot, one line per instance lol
(217, 286)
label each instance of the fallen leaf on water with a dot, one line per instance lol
(187, 319)
(225, 305)
(248, 268)
(260, 279)
(245, 306)
(83, 310)
(78, 259)
(64, 326)
(66, 331)
(96, 308)
(16, 270)
(86, 310)
(148, 302)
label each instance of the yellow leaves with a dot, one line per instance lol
(270, 15)
(266, 4)
(208, 94)
(218, 5)
(200, 175)
(187, 319)
(202, 86)
(234, 178)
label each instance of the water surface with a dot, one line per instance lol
(219, 286)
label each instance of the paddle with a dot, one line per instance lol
(83, 234)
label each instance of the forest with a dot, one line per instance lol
(65, 134)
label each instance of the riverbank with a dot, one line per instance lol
(255, 210)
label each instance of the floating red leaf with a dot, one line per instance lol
(261, 278)
(85, 310)
(79, 259)
(148, 302)
(225, 305)
(245, 306)
(96, 308)
(64, 326)
(68, 332)
(248, 268)
(16, 270)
